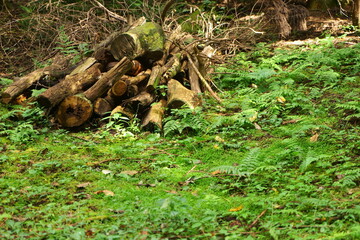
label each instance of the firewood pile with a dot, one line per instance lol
(136, 73)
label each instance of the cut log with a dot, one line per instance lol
(143, 99)
(123, 111)
(146, 41)
(179, 95)
(102, 106)
(19, 86)
(154, 79)
(85, 65)
(106, 81)
(74, 111)
(139, 78)
(119, 88)
(153, 118)
(172, 67)
(79, 108)
(71, 85)
(136, 69)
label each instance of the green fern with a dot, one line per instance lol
(247, 165)
(351, 178)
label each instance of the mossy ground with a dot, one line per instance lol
(292, 175)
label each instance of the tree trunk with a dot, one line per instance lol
(356, 13)
(71, 85)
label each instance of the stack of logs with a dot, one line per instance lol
(134, 73)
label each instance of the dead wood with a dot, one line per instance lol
(74, 111)
(106, 81)
(71, 85)
(179, 95)
(146, 40)
(203, 80)
(153, 118)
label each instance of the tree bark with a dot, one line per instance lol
(356, 13)
(179, 95)
(153, 118)
(76, 110)
(71, 85)
(146, 41)
(106, 81)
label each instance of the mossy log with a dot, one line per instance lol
(71, 85)
(179, 95)
(145, 41)
(153, 118)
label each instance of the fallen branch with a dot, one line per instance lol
(202, 79)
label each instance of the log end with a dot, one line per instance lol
(74, 111)
(102, 106)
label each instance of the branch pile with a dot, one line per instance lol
(135, 73)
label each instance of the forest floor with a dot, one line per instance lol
(278, 159)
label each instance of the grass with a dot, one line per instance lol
(278, 160)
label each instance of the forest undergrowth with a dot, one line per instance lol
(278, 159)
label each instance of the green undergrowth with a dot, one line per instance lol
(278, 159)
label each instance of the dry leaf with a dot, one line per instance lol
(106, 192)
(290, 121)
(314, 138)
(20, 99)
(236, 209)
(257, 126)
(281, 99)
(172, 192)
(106, 171)
(216, 172)
(130, 173)
(83, 185)
(253, 117)
(219, 139)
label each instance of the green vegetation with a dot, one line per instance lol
(279, 159)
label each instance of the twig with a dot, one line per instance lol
(111, 14)
(92, 164)
(257, 219)
(203, 80)
(191, 170)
